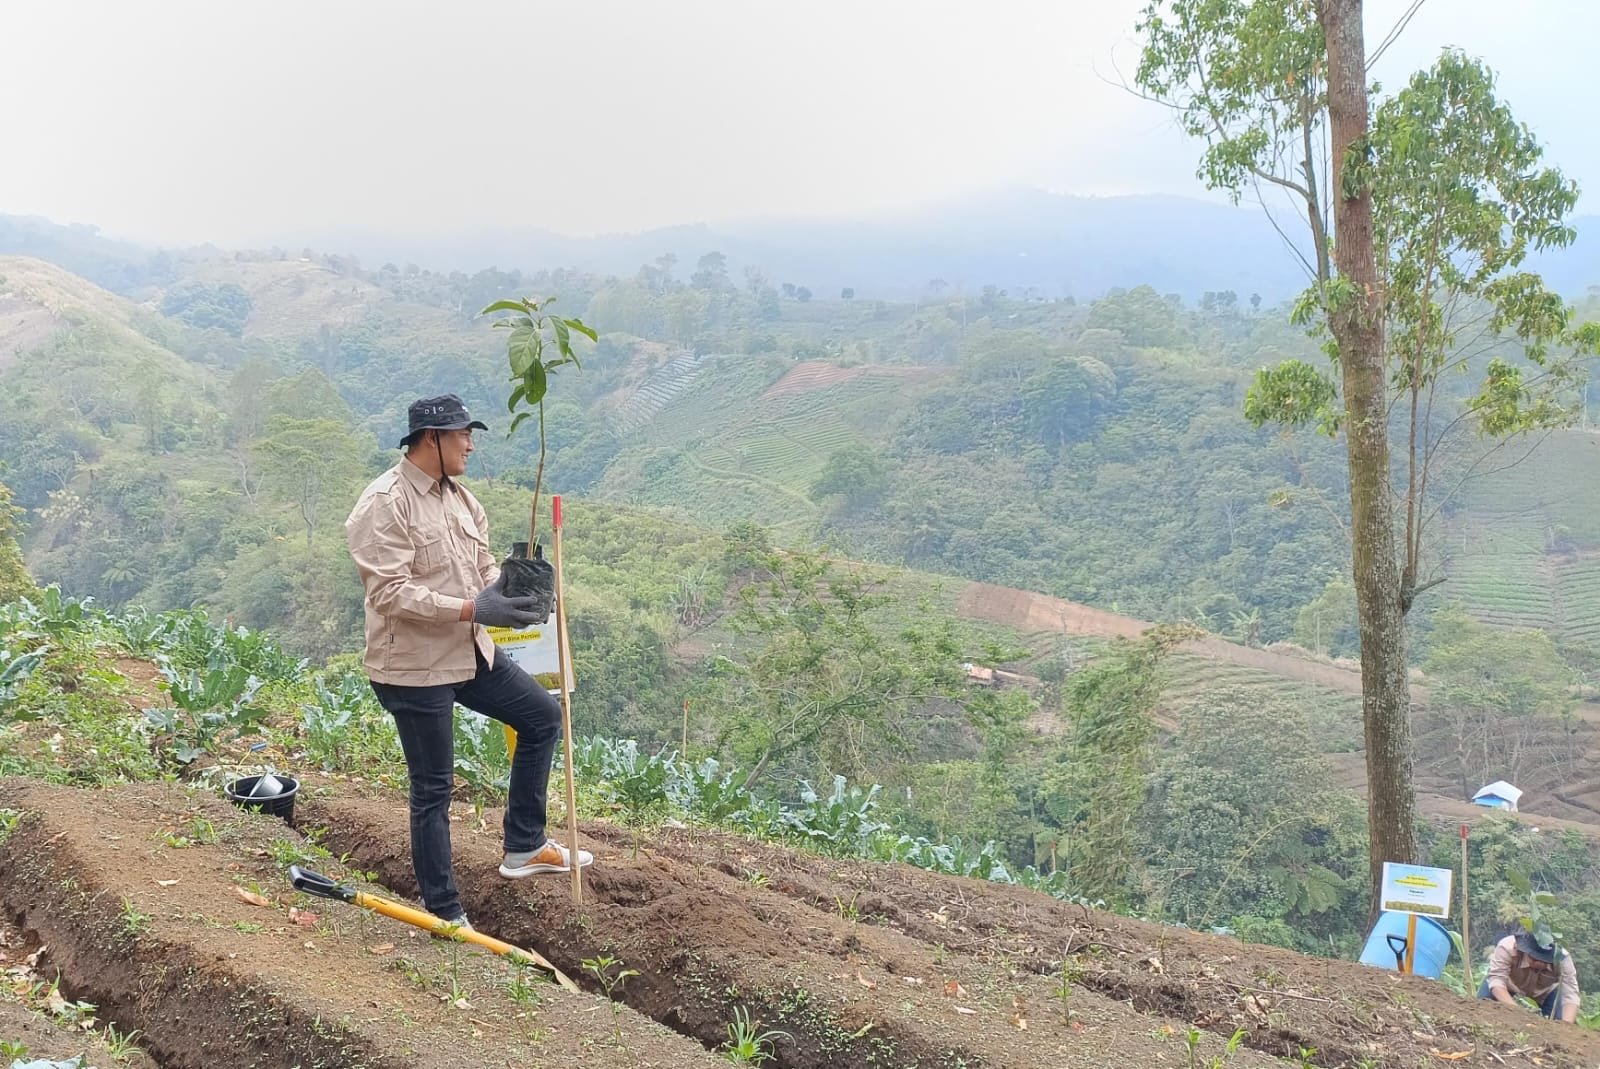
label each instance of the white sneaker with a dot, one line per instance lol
(551, 857)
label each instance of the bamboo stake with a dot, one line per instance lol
(1411, 944)
(564, 662)
(1466, 918)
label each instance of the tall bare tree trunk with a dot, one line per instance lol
(1357, 323)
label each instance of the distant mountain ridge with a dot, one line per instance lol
(1022, 241)
(1026, 241)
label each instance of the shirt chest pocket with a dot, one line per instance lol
(468, 536)
(431, 555)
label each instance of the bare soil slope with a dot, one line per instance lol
(1033, 613)
(38, 299)
(292, 297)
(139, 906)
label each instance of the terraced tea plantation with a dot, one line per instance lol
(1496, 570)
(1527, 566)
(663, 385)
(1335, 714)
(750, 449)
(1577, 580)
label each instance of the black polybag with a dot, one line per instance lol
(531, 577)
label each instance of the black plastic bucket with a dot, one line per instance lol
(239, 792)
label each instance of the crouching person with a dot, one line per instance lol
(1531, 965)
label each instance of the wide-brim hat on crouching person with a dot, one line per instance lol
(1539, 945)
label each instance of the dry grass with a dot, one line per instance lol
(292, 297)
(37, 299)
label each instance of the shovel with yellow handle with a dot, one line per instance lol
(314, 883)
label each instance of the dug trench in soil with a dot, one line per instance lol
(27, 1036)
(30, 1035)
(705, 943)
(38, 1024)
(135, 893)
(1286, 1002)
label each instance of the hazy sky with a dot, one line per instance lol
(244, 120)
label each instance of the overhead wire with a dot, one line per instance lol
(1394, 34)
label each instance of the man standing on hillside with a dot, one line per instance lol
(420, 541)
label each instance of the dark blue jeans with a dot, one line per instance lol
(1550, 1005)
(425, 719)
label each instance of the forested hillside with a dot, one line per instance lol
(1092, 451)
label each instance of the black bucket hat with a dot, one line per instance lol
(1537, 945)
(442, 413)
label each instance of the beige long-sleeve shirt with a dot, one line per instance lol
(422, 551)
(1505, 975)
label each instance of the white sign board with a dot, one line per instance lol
(534, 650)
(1416, 889)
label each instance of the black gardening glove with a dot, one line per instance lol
(492, 608)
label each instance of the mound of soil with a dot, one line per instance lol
(704, 942)
(143, 897)
(140, 898)
(1347, 1013)
(867, 964)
